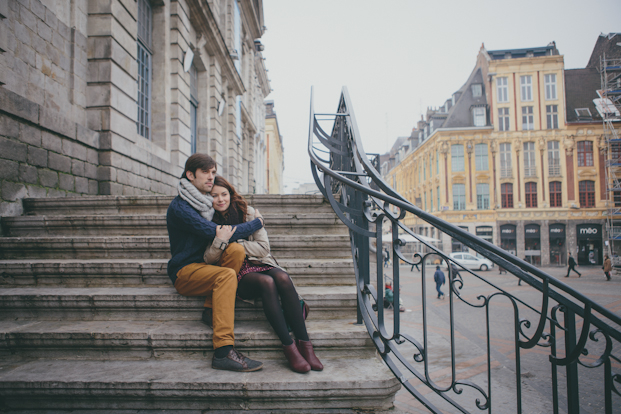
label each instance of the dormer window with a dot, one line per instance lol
(583, 114)
(477, 90)
(478, 116)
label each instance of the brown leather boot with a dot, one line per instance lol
(306, 349)
(296, 361)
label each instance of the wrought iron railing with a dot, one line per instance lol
(565, 329)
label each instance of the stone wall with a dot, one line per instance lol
(68, 97)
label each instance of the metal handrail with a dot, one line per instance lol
(367, 200)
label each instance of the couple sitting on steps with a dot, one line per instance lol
(225, 253)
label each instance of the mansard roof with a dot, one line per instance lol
(607, 44)
(460, 115)
(580, 90)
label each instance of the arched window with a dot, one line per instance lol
(556, 196)
(506, 194)
(531, 195)
(587, 193)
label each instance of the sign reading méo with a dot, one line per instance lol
(588, 230)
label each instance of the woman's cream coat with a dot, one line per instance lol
(257, 247)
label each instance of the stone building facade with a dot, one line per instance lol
(275, 152)
(111, 97)
(506, 159)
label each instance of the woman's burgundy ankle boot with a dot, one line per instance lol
(306, 349)
(296, 361)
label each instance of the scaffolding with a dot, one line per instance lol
(609, 107)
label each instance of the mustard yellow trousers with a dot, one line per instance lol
(219, 284)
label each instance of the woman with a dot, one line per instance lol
(607, 267)
(261, 277)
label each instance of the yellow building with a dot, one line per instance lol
(275, 152)
(509, 159)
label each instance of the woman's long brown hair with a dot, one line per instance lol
(236, 214)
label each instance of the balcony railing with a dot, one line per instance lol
(561, 329)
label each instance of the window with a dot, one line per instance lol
(482, 196)
(193, 107)
(503, 119)
(478, 116)
(556, 199)
(615, 153)
(457, 158)
(431, 199)
(617, 198)
(424, 170)
(502, 90)
(143, 123)
(425, 198)
(528, 122)
(550, 85)
(554, 159)
(506, 195)
(459, 196)
(552, 116)
(438, 195)
(583, 114)
(437, 162)
(586, 191)
(531, 195)
(530, 169)
(477, 90)
(505, 160)
(430, 166)
(585, 153)
(480, 154)
(526, 84)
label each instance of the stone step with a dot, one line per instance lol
(154, 247)
(149, 272)
(111, 386)
(152, 304)
(141, 340)
(138, 205)
(286, 223)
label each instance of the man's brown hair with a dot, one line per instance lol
(198, 162)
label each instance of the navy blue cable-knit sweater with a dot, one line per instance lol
(190, 234)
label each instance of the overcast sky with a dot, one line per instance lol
(397, 57)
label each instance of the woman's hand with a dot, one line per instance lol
(224, 233)
(258, 215)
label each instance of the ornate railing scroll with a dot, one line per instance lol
(566, 327)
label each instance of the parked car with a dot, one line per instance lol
(471, 262)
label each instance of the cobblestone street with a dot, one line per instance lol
(470, 342)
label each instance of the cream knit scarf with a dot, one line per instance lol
(201, 202)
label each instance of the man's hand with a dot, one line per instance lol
(224, 233)
(258, 215)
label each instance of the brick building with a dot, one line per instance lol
(111, 97)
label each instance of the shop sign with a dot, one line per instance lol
(557, 231)
(507, 231)
(589, 231)
(531, 231)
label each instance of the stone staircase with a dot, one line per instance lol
(89, 319)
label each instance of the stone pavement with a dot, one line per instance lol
(470, 342)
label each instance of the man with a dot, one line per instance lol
(190, 231)
(572, 266)
(438, 277)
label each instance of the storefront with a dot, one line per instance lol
(589, 238)
(456, 245)
(508, 238)
(532, 244)
(486, 233)
(557, 244)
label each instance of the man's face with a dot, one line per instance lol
(203, 179)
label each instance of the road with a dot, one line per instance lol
(469, 338)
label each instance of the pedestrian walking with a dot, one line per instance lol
(414, 261)
(572, 266)
(438, 277)
(607, 267)
(386, 257)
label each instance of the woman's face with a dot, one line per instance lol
(221, 198)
